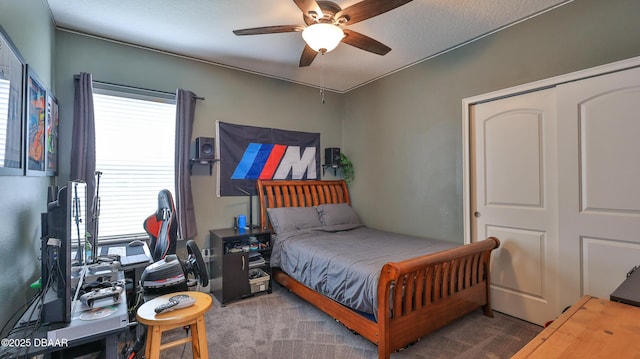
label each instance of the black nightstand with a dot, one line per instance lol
(239, 266)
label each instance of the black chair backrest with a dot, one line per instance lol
(162, 227)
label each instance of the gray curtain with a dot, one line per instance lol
(83, 144)
(185, 110)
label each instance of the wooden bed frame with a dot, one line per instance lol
(427, 292)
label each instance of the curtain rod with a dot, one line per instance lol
(137, 88)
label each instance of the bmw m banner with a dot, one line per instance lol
(248, 153)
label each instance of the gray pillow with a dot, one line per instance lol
(287, 219)
(339, 213)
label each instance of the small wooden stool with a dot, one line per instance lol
(159, 323)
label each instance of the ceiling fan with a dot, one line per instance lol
(325, 22)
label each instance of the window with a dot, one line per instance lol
(4, 113)
(135, 145)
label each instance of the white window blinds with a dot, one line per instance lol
(4, 113)
(135, 144)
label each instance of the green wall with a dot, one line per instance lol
(230, 96)
(22, 199)
(405, 130)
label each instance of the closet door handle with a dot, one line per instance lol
(476, 214)
(243, 262)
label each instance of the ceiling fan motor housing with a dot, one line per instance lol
(329, 10)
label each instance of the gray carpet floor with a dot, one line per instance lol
(281, 325)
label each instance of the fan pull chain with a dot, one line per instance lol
(322, 78)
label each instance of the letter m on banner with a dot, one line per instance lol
(249, 153)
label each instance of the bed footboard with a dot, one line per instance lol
(421, 295)
(415, 297)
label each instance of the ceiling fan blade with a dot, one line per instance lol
(367, 9)
(364, 42)
(309, 7)
(269, 30)
(308, 54)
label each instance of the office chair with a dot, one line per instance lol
(162, 227)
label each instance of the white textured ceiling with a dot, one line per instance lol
(202, 29)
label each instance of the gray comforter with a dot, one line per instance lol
(343, 262)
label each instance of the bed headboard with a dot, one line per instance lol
(299, 193)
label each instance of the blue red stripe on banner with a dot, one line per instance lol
(260, 160)
(273, 161)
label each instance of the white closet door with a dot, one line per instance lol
(599, 183)
(514, 198)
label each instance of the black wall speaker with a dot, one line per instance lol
(332, 156)
(203, 148)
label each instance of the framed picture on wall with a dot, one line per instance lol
(12, 77)
(51, 144)
(36, 127)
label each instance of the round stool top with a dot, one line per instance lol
(146, 313)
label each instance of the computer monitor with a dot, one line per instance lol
(63, 224)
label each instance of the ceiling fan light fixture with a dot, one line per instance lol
(322, 37)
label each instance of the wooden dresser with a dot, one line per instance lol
(591, 328)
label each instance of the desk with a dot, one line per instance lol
(130, 256)
(133, 261)
(80, 336)
(591, 328)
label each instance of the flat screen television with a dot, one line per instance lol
(62, 225)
